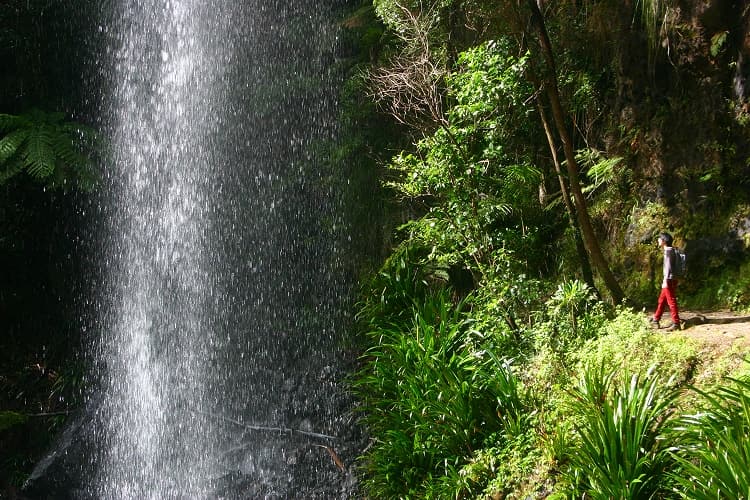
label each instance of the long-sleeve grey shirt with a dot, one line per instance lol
(668, 257)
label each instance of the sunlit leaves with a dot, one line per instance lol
(431, 394)
(715, 455)
(394, 12)
(599, 169)
(622, 452)
(490, 77)
(464, 176)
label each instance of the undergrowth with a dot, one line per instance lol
(590, 406)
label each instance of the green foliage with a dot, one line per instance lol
(46, 147)
(718, 43)
(654, 20)
(571, 316)
(431, 395)
(715, 449)
(10, 419)
(393, 292)
(472, 187)
(621, 452)
(599, 170)
(504, 304)
(478, 189)
(490, 76)
(394, 12)
(726, 287)
(500, 467)
(628, 342)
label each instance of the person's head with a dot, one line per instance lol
(665, 239)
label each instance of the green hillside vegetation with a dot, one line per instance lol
(537, 151)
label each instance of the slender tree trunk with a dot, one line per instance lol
(588, 275)
(550, 84)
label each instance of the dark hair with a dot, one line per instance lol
(667, 238)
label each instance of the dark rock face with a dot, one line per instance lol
(636, 235)
(742, 229)
(706, 253)
(62, 473)
(258, 461)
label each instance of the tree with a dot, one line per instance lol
(549, 79)
(413, 86)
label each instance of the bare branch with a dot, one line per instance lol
(411, 87)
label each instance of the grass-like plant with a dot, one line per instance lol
(620, 428)
(715, 450)
(430, 398)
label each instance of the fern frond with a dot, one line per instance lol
(39, 155)
(65, 149)
(47, 147)
(12, 143)
(523, 173)
(11, 122)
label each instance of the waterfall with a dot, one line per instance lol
(219, 316)
(162, 279)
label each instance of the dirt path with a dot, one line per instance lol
(721, 330)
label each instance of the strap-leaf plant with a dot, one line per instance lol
(47, 147)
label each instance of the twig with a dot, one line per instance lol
(339, 463)
(264, 428)
(50, 414)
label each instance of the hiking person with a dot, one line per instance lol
(668, 295)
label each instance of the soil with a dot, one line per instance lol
(720, 329)
(723, 338)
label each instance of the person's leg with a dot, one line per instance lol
(661, 304)
(671, 298)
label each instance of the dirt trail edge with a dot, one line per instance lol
(720, 330)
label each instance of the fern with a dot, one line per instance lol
(45, 146)
(600, 170)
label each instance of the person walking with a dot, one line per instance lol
(668, 295)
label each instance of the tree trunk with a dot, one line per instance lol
(550, 84)
(588, 275)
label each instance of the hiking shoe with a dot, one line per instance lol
(672, 327)
(654, 323)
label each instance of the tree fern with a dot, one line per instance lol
(45, 146)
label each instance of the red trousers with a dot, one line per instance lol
(668, 297)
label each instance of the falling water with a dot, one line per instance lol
(219, 315)
(162, 278)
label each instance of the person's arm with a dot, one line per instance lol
(667, 266)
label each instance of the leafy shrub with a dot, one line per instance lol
(476, 191)
(500, 467)
(571, 316)
(715, 449)
(628, 342)
(430, 396)
(504, 304)
(621, 452)
(390, 295)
